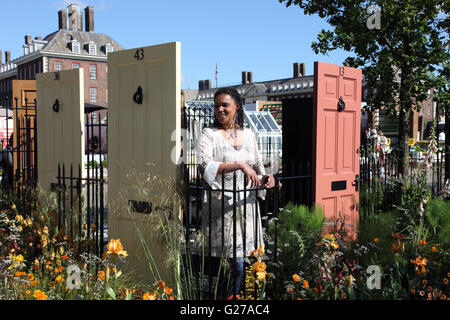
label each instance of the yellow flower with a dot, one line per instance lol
(38, 294)
(296, 278)
(115, 247)
(334, 245)
(13, 206)
(28, 292)
(30, 277)
(150, 296)
(261, 275)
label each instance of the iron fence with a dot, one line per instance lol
(203, 203)
(19, 154)
(379, 170)
(81, 207)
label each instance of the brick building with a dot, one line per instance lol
(68, 47)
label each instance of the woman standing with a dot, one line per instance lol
(227, 149)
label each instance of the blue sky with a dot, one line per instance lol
(262, 36)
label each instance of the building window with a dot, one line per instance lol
(75, 47)
(75, 65)
(57, 66)
(93, 71)
(92, 48)
(93, 94)
(109, 48)
(94, 117)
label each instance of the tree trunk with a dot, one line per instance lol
(403, 129)
(447, 143)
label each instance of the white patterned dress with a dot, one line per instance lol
(213, 149)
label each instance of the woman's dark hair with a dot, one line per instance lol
(232, 92)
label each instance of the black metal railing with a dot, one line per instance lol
(378, 169)
(204, 202)
(19, 154)
(81, 206)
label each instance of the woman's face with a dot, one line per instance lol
(225, 109)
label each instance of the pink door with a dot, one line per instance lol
(337, 120)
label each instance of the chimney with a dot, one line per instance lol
(38, 38)
(250, 77)
(28, 39)
(299, 70)
(201, 85)
(1, 61)
(74, 17)
(247, 77)
(62, 19)
(207, 84)
(89, 19)
(7, 57)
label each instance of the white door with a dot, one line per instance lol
(143, 118)
(60, 123)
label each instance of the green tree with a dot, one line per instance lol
(401, 45)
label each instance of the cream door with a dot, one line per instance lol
(60, 123)
(143, 117)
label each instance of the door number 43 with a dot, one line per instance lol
(139, 55)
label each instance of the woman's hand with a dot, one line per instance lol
(251, 175)
(268, 181)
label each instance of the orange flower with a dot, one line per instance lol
(101, 275)
(316, 290)
(420, 264)
(376, 240)
(296, 278)
(38, 294)
(171, 298)
(434, 249)
(168, 291)
(115, 248)
(422, 242)
(161, 284)
(64, 257)
(30, 277)
(150, 296)
(305, 284)
(259, 266)
(59, 279)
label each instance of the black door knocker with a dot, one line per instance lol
(56, 106)
(138, 96)
(341, 104)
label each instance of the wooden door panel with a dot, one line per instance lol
(139, 137)
(337, 134)
(60, 134)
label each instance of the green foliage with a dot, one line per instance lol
(437, 213)
(403, 57)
